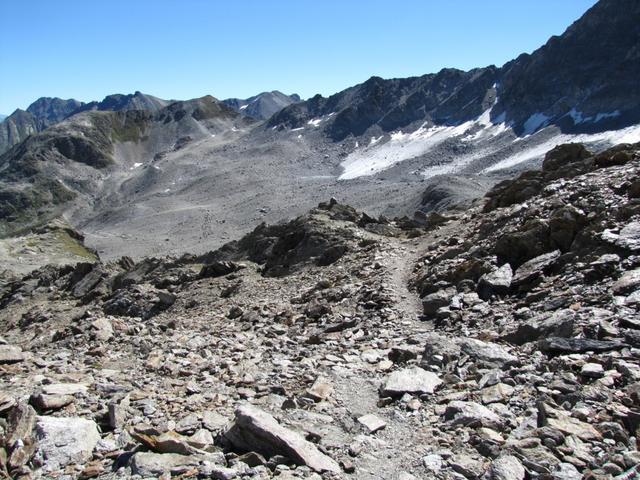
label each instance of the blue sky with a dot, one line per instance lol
(188, 48)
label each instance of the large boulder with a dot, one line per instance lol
(257, 431)
(557, 324)
(563, 155)
(65, 440)
(529, 242)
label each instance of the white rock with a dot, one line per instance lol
(414, 380)
(507, 467)
(432, 462)
(372, 422)
(64, 388)
(65, 440)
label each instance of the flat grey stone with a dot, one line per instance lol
(11, 354)
(414, 380)
(149, 464)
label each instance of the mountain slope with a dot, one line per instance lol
(263, 105)
(91, 157)
(448, 97)
(47, 111)
(500, 344)
(389, 146)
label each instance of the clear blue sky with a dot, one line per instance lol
(86, 49)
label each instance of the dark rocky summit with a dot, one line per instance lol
(584, 80)
(500, 342)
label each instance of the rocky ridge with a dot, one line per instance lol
(300, 351)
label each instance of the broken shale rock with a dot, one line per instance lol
(256, 430)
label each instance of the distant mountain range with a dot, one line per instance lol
(132, 169)
(47, 111)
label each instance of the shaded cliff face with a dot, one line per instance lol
(263, 105)
(583, 80)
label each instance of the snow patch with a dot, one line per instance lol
(603, 139)
(535, 122)
(297, 129)
(244, 106)
(404, 146)
(136, 165)
(315, 122)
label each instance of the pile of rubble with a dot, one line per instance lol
(500, 343)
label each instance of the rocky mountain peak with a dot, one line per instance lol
(263, 105)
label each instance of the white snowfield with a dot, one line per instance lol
(381, 155)
(611, 137)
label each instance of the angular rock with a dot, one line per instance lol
(432, 302)
(496, 393)
(219, 269)
(256, 430)
(628, 238)
(628, 283)
(570, 425)
(19, 437)
(592, 370)
(472, 414)
(320, 390)
(102, 329)
(531, 270)
(497, 282)
(558, 324)
(414, 380)
(467, 466)
(64, 389)
(65, 440)
(557, 345)
(566, 471)
(372, 422)
(433, 463)
(506, 467)
(439, 350)
(11, 354)
(213, 421)
(148, 464)
(486, 352)
(44, 402)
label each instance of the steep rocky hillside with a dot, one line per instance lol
(500, 343)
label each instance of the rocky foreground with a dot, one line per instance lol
(500, 342)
